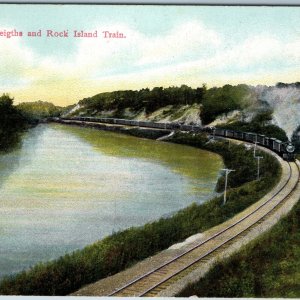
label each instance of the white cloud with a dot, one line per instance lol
(136, 51)
(190, 53)
(15, 61)
(184, 40)
(253, 50)
(292, 51)
(260, 50)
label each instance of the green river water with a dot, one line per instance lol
(66, 187)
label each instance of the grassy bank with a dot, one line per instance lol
(145, 133)
(116, 252)
(235, 157)
(268, 267)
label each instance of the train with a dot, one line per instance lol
(148, 124)
(285, 149)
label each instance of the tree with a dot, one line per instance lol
(222, 100)
(5, 101)
(263, 117)
(11, 122)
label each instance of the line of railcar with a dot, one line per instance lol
(125, 122)
(284, 149)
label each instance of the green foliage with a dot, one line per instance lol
(11, 123)
(122, 249)
(223, 100)
(35, 111)
(267, 267)
(147, 99)
(263, 117)
(145, 133)
(285, 85)
(235, 157)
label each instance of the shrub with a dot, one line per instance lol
(122, 249)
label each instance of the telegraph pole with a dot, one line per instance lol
(115, 217)
(258, 159)
(227, 171)
(254, 150)
(214, 131)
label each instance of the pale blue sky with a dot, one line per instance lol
(165, 45)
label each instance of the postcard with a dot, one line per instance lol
(149, 150)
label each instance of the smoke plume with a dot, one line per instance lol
(285, 102)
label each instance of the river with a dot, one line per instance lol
(67, 186)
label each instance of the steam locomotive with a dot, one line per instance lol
(285, 149)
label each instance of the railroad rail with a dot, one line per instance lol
(160, 278)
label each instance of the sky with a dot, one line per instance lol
(164, 46)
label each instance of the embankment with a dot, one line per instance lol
(123, 249)
(267, 267)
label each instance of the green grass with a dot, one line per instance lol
(116, 252)
(145, 133)
(268, 267)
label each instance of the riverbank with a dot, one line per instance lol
(268, 267)
(113, 283)
(141, 132)
(114, 181)
(123, 249)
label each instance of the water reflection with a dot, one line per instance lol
(9, 161)
(71, 186)
(186, 160)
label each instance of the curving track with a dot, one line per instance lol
(220, 241)
(162, 277)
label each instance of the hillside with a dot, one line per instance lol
(183, 104)
(261, 109)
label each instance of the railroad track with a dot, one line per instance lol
(160, 278)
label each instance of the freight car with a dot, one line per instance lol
(285, 149)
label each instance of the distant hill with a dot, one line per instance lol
(38, 110)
